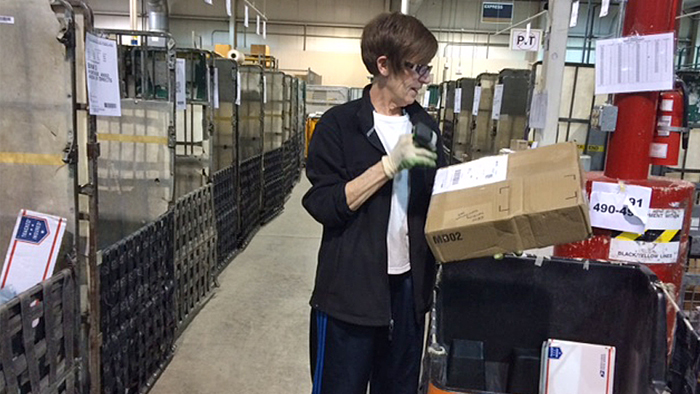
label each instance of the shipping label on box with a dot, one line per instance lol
(577, 368)
(33, 250)
(528, 199)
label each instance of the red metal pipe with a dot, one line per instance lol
(628, 147)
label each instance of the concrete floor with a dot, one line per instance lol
(252, 337)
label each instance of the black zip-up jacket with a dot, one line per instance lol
(352, 283)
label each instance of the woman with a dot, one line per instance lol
(371, 186)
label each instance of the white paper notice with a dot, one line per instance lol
(497, 100)
(264, 89)
(643, 252)
(634, 64)
(458, 100)
(7, 20)
(574, 14)
(426, 99)
(247, 16)
(264, 23)
(477, 100)
(180, 93)
(475, 173)
(538, 111)
(102, 76)
(620, 207)
(665, 219)
(257, 24)
(604, 8)
(239, 82)
(33, 250)
(215, 87)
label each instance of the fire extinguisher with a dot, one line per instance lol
(672, 127)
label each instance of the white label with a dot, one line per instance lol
(7, 20)
(619, 208)
(210, 2)
(477, 100)
(264, 89)
(102, 76)
(524, 40)
(634, 64)
(644, 252)
(247, 16)
(228, 7)
(257, 24)
(665, 219)
(665, 120)
(215, 88)
(574, 14)
(605, 7)
(667, 105)
(239, 82)
(538, 111)
(426, 99)
(497, 100)
(33, 250)
(475, 173)
(264, 24)
(658, 151)
(458, 100)
(180, 81)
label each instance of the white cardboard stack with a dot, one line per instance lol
(576, 368)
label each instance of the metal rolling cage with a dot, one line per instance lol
(433, 101)
(137, 150)
(38, 338)
(577, 100)
(251, 125)
(137, 286)
(300, 139)
(225, 183)
(195, 253)
(448, 118)
(482, 132)
(194, 127)
(40, 328)
(320, 98)
(461, 146)
(290, 147)
(512, 121)
(276, 119)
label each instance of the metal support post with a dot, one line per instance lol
(553, 68)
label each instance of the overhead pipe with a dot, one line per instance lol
(158, 15)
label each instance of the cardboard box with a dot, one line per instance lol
(518, 145)
(222, 49)
(499, 204)
(260, 50)
(577, 368)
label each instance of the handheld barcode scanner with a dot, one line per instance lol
(424, 136)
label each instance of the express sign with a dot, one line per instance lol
(521, 40)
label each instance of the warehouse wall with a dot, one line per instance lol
(333, 52)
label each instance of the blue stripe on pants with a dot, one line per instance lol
(321, 324)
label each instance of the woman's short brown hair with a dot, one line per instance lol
(400, 38)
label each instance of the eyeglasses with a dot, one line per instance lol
(422, 70)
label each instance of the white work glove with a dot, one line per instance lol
(406, 155)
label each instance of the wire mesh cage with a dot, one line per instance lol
(512, 120)
(482, 134)
(464, 118)
(194, 126)
(137, 156)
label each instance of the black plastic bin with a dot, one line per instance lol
(493, 316)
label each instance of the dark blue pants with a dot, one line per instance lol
(346, 357)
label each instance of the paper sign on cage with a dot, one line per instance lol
(33, 250)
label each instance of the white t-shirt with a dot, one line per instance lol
(389, 129)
